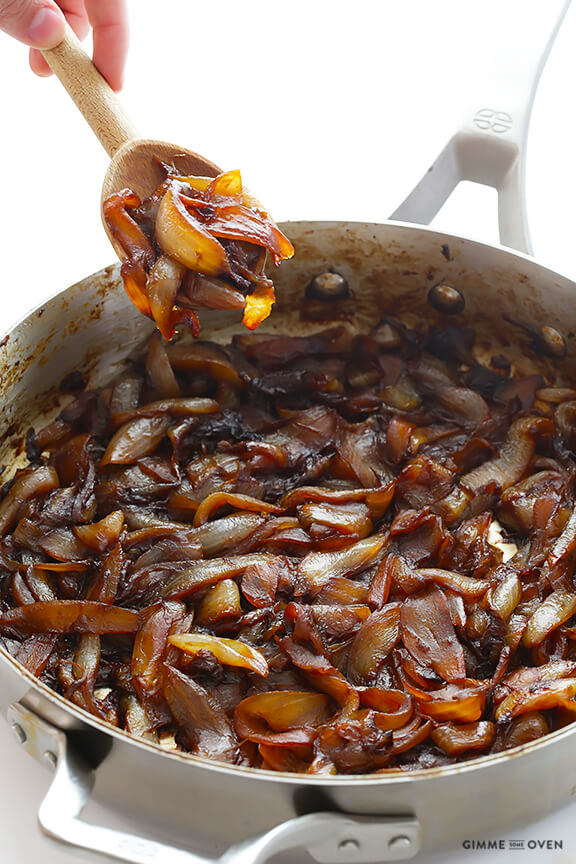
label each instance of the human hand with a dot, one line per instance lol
(40, 24)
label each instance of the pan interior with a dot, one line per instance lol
(92, 327)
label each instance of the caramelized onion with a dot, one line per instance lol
(135, 439)
(206, 573)
(457, 738)
(203, 722)
(69, 616)
(28, 484)
(230, 652)
(188, 230)
(221, 499)
(162, 287)
(182, 236)
(428, 633)
(514, 457)
(103, 534)
(544, 696)
(462, 703)
(557, 608)
(373, 643)
(150, 645)
(222, 601)
(464, 585)
(282, 717)
(318, 567)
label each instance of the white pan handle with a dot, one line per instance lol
(330, 838)
(490, 146)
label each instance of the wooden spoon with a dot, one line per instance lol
(132, 158)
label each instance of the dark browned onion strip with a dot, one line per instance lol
(28, 484)
(428, 633)
(202, 721)
(69, 616)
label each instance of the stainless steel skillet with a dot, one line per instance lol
(172, 803)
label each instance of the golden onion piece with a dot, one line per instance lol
(180, 234)
(162, 287)
(229, 652)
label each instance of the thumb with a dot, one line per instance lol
(38, 23)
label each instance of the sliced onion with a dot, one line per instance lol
(428, 633)
(463, 703)
(540, 698)
(230, 531)
(527, 676)
(159, 371)
(229, 652)
(213, 294)
(339, 622)
(457, 738)
(411, 735)
(69, 616)
(162, 287)
(514, 457)
(342, 592)
(373, 643)
(258, 305)
(465, 585)
(260, 582)
(281, 717)
(206, 573)
(557, 608)
(504, 599)
(565, 545)
(555, 395)
(201, 720)
(528, 727)
(221, 602)
(28, 484)
(135, 439)
(394, 707)
(352, 518)
(238, 222)
(377, 499)
(294, 759)
(179, 407)
(185, 238)
(204, 357)
(222, 499)
(101, 535)
(150, 644)
(463, 403)
(34, 654)
(123, 227)
(317, 568)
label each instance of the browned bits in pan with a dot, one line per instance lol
(337, 553)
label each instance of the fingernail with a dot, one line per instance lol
(47, 28)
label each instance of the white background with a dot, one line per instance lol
(332, 110)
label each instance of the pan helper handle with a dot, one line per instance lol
(330, 838)
(490, 146)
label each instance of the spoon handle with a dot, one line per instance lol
(92, 94)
